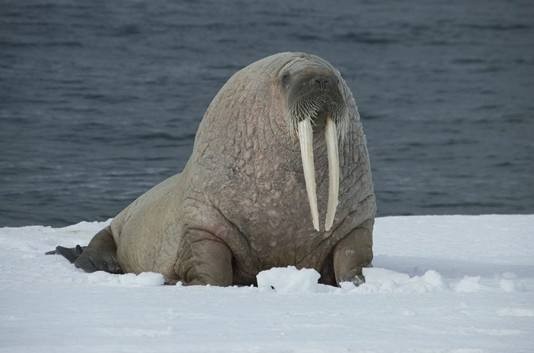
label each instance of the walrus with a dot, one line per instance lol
(280, 147)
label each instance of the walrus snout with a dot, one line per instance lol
(322, 82)
(315, 86)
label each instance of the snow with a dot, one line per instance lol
(459, 284)
(468, 284)
(290, 280)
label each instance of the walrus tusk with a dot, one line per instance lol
(333, 172)
(306, 153)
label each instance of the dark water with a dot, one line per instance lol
(99, 100)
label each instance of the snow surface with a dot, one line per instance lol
(458, 284)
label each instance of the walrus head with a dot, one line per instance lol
(315, 100)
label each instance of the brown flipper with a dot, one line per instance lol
(99, 255)
(353, 253)
(70, 254)
(205, 260)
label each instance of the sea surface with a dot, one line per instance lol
(100, 100)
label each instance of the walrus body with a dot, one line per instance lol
(242, 203)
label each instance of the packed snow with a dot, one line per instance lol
(457, 284)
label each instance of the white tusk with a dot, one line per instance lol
(333, 172)
(306, 154)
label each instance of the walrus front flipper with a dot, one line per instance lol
(70, 254)
(100, 254)
(206, 260)
(353, 253)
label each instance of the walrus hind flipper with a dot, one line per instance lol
(99, 255)
(70, 254)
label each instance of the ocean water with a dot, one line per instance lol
(100, 100)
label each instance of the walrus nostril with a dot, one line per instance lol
(322, 83)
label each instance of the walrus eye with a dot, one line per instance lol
(285, 79)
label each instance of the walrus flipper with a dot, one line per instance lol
(70, 254)
(209, 260)
(99, 255)
(353, 253)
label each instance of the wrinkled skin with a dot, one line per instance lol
(240, 205)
